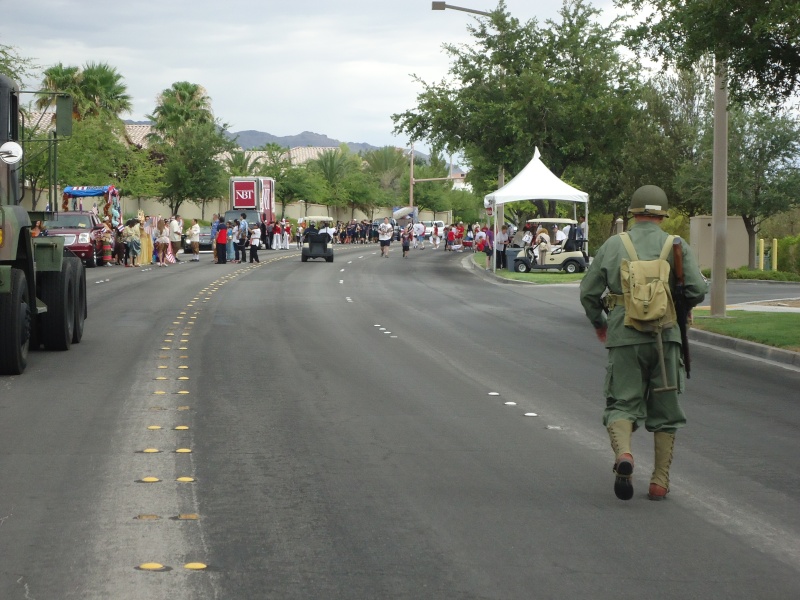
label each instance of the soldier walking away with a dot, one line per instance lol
(645, 371)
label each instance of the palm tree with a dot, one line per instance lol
(103, 91)
(96, 90)
(239, 164)
(59, 78)
(332, 165)
(387, 164)
(179, 105)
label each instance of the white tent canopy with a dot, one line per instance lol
(535, 182)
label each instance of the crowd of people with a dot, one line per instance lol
(156, 240)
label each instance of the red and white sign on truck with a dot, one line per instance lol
(244, 193)
(254, 194)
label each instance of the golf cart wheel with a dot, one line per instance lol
(571, 267)
(521, 267)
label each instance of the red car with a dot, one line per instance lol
(80, 232)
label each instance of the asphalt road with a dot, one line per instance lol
(351, 437)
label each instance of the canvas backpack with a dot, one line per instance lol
(646, 289)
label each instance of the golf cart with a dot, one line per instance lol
(567, 256)
(316, 245)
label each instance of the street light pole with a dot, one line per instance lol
(443, 5)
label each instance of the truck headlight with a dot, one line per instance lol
(84, 238)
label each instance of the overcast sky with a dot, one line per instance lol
(339, 68)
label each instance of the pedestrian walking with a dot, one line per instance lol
(645, 372)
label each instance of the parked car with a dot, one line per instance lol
(79, 230)
(205, 240)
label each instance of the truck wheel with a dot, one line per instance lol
(303, 258)
(79, 285)
(91, 262)
(329, 259)
(15, 325)
(58, 323)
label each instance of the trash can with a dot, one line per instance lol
(511, 254)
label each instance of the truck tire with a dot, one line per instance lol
(58, 293)
(15, 325)
(91, 262)
(79, 285)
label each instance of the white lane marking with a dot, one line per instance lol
(349, 262)
(341, 281)
(494, 393)
(341, 270)
(556, 427)
(510, 403)
(349, 299)
(531, 415)
(377, 325)
(393, 336)
(382, 329)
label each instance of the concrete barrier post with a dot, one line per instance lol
(774, 254)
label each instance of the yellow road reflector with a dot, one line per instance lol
(170, 333)
(183, 312)
(185, 479)
(184, 392)
(183, 367)
(150, 479)
(184, 378)
(188, 517)
(184, 341)
(147, 517)
(159, 393)
(176, 322)
(183, 408)
(162, 378)
(184, 356)
(195, 566)
(151, 450)
(181, 427)
(163, 367)
(183, 450)
(166, 348)
(151, 566)
(154, 427)
(183, 348)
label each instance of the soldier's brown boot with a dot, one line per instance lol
(659, 482)
(620, 434)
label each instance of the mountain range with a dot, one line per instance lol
(250, 138)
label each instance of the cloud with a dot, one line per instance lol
(338, 68)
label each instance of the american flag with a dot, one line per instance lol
(170, 257)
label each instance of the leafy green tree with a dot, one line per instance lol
(763, 172)
(563, 88)
(299, 183)
(192, 171)
(759, 41)
(13, 64)
(94, 155)
(142, 176)
(275, 161)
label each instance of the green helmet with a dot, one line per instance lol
(649, 200)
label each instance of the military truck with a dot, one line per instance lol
(42, 284)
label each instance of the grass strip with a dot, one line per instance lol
(778, 329)
(534, 276)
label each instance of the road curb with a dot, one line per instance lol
(778, 355)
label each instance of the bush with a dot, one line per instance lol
(789, 254)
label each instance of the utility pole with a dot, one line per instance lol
(719, 192)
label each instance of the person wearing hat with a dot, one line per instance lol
(634, 364)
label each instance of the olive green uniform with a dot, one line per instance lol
(633, 370)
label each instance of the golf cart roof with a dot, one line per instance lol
(553, 220)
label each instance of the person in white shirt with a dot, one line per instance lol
(255, 242)
(419, 235)
(175, 230)
(559, 236)
(385, 232)
(194, 240)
